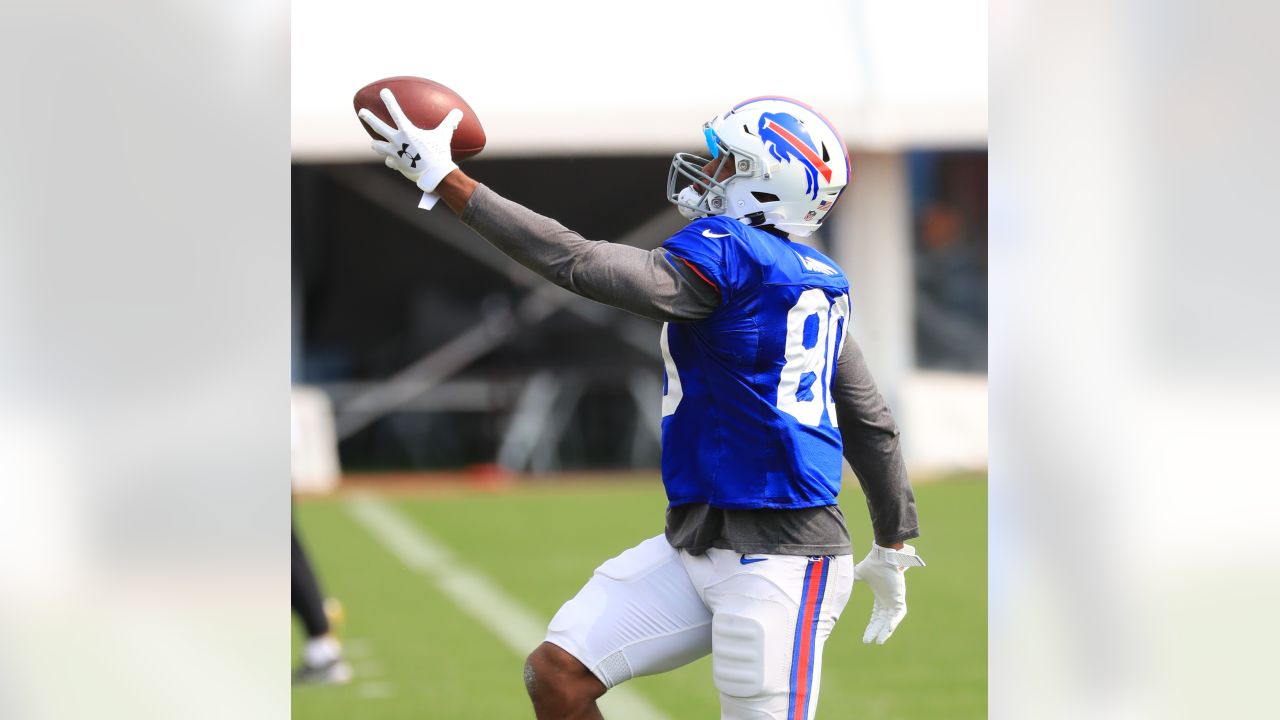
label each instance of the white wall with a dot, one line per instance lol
(593, 77)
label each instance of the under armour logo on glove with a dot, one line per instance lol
(423, 156)
(413, 161)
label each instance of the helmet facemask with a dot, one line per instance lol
(713, 198)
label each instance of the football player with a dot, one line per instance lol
(765, 391)
(322, 662)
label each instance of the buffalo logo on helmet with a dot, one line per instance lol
(787, 140)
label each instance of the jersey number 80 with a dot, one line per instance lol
(814, 327)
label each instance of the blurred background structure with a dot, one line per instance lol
(434, 351)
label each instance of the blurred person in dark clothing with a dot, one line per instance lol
(322, 661)
(951, 297)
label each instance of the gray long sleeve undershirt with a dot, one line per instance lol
(646, 283)
(640, 281)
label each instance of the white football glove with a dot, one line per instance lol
(883, 570)
(423, 156)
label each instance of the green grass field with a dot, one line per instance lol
(416, 655)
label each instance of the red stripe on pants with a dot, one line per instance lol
(807, 607)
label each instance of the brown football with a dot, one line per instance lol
(425, 103)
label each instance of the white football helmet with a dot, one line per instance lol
(790, 166)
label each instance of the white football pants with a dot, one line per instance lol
(763, 619)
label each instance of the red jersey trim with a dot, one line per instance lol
(698, 272)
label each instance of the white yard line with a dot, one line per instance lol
(375, 690)
(476, 595)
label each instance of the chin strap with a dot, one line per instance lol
(687, 204)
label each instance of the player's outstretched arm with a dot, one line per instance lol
(871, 446)
(639, 281)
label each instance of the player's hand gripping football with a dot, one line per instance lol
(423, 156)
(884, 569)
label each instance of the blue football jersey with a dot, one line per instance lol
(747, 417)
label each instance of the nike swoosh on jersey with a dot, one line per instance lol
(708, 233)
(747, 561)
